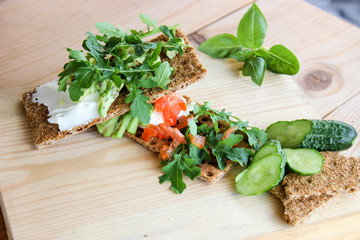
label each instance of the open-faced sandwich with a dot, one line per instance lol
(116, 72)
(190, 138)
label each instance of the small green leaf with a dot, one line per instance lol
(162, 75)
(252, 28)
(140, 108)
(109, 30)
(283, 61)
(220, 46)
(233, 139)
(189, 168)
(173, 174)
(192, 126)
(256, 137)
(242, 55)
(255, 68)
(148, 21)
(196, 108)
(198, 154)
(77, 55)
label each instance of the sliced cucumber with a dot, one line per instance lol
(290, 134)
(124, 122)
(322, 135)
(262, 175)
(304, 161)
(271, 146)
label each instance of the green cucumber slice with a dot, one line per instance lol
(133, 125)
(271, 146)
(262, 175)
(290, 134)
(106, 128)
(304, 161)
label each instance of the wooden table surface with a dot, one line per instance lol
(33, 35)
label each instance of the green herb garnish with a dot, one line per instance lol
(187, 156)
(117, 59)
(247, 47)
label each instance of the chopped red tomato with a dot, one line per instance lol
(183, 122)
(154, 131)
(170, 106)
(166, 152)
(228, 132)
(197, 140)
(174, 133)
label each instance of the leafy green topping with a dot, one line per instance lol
(247, 47)
(116, 59)
(187, 156)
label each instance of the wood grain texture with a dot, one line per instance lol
(111, 191)
(35, 33)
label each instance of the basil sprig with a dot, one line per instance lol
(247, 47)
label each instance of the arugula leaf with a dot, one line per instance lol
(109, 30)
(220, 46)
(148, 21)
(252, 28)
(192, 127)
(282, 61)
(198, 154)
(256, 137)
(255, 68)
(95, 48)
(77, 55)
(162, 75)
(173, 172)
(140, 108)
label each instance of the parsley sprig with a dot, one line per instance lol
(187, 156)
(247, 47)
(115, 59)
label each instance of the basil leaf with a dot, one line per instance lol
(252, 28)
(162, 75)
(283, 60)
(255, 68)
(220, 46)
(140, 108)
(242, 55)
(109, 30)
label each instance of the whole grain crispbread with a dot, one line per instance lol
(210, 172)
(188, 70)
(304, 195)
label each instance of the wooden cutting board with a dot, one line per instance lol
(91, 187)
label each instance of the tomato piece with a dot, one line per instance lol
(183, 122)
(228, 132)
(170, 106)
(197, 140)
(174, 133)
(166, 152)
(150, 131)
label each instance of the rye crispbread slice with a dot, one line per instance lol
(304, 195)
(188, 70)
(210, 172)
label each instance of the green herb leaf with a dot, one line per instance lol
(173, 174)
(283, 61)
(162, 75)
(256, 137)
(77, 55)
(252, 28)
(148, 21)
(255, 68)
(192, 126)
(198, 154)
(242, 55)
(109, 30)
(220, 46)
(140, 108)
(188, 166)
